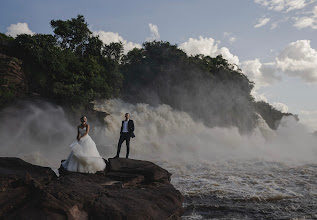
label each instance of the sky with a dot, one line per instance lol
(273, 41)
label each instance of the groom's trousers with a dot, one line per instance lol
(124, 137)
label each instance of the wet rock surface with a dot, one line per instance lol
(127, 189)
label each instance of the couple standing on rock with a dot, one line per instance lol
(85, 157)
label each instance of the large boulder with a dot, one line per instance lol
(19, 183)
(128, 189)
(150, 171)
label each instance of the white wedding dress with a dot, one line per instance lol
(84, 157)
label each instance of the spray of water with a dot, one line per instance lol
(36, 132)
(169, 134)
(41, 134)
(217, 163)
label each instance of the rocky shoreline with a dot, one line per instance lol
(127, 189)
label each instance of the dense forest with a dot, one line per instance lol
(73, 68)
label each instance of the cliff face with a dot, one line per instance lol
(12, 80)
(129, 189)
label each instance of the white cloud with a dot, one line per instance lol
(278, 22)
(262, 22)
(207, 47)
(274, 25)
(109, 37)
(300, 60)
(303, 18)
(307, 21)
(309, 118)
(19, 28)
(229, 36)
(258, 97)
(280, 106)
(155, 35)
(283, 5)
(305, 112)
(261, 74)
(297, 59)
(228, 55)
(232, 39)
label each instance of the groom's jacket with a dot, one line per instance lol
(130, 127)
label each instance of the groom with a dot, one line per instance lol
(126, 132)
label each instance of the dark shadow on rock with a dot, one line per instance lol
(128, 189)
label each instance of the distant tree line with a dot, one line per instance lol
(73, 67)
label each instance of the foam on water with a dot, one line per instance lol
(217, 169)
(169, 134)
(264, 166)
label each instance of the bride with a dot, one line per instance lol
(84, 157)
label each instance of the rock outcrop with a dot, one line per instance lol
(12, 79)
(11, 70)
(128, 189)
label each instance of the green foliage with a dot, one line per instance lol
(5, 43)
(210, 89)
(72, 34)
(113, 51)
(75, 67)
(5, 40)
(72, 66)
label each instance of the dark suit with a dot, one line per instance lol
(125, 136)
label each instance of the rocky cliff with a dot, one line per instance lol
(128, 189)
(12, 79)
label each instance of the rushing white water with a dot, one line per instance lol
(38, 133)
(263, 166)
(168, 134)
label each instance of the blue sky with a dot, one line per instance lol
(273, 41)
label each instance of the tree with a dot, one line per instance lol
(113, 51)
(72, 34)
(210, 89)
(70, 66)
(93, 47)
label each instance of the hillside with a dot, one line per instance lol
(73, 68)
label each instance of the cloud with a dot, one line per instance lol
(207, 47)
(304, 18)
(262, 22)
(261, 74)
(297, 59)
(229, 36)
(155, 35)
(278, 22)
(19, 28)
(283, 5)
(307, 21)
(274, 25)
(280, 106)
(309, 118)
(232, 39)
(300, 60)
(109, 37)
(258, 97)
